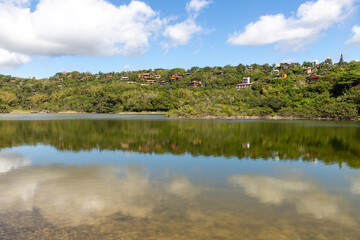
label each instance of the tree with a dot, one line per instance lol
(307, 64)
(38, 98)
(328, 61)
(240, 68)
(8, 98)
(194, 69)
(341, 62)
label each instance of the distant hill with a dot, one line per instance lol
(300, 90)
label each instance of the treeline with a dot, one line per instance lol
(283, 90)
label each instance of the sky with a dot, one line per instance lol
(39, 38)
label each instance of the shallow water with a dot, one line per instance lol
(149, 177)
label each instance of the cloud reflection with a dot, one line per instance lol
(307, 197)
(355, 183)
(78, 195)
(12, 160)
(180, 186)
(267, 189)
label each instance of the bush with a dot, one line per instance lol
(275, 103)
(332, 108)
(4, 109)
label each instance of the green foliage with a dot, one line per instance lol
(4, 109)
(336, 94)
(275, 103)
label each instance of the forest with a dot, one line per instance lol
(310, 89)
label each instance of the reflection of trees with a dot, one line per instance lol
(259, 139)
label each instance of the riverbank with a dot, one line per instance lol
(262, 118)
(73, 112)
(275, 117)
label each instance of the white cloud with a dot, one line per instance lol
(12, 160)
(86, 27)
(72, 27)
(127, 67)
(181, 33)
(356, 38)
(10, 60)
(196, 5)
(311, 20)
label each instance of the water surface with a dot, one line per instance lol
(149, 177)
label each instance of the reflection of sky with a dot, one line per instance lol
(69, 195)
(101, 183)
(12, 160)
(355, 183)
(214, 167)
(307, 197)
(201, 168)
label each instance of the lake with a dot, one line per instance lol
(82, 176)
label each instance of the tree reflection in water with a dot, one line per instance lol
(329, 142)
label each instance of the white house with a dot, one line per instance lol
(246, 80)
(245, 83)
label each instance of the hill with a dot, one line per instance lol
(297, 90)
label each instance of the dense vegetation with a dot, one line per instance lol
(335, 94)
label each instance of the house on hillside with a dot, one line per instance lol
(283, 66)
(245, 83)
(313, 79)
(309, 70)
(124, 79)
(145, 76)
(195, 84)
(281, 76)
(150, 81)
(246, 80)
(157, 76)
(286, 66)
(249, 68)
(162, 83)
(175, 77)
(276, 71)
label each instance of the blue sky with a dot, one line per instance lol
(94, 35)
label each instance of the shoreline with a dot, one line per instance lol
(208, 117)
(71, 112)
(262, 118)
